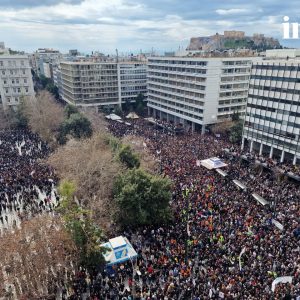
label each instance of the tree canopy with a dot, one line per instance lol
(236, 132)
(128, 157)
(77, 125)
(142, 198)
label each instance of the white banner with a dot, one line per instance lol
(242, 252)
(283, 279)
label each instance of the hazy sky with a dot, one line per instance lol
(131, 25)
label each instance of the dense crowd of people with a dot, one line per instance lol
(26, 185)
(222, 243)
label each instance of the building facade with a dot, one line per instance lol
(15, 79)
(198, 91)
(272, 122)
(97, 84)
(43, 60)
(132, 80)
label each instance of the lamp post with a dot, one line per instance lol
(133, 278)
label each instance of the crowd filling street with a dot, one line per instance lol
(222, 243)
(197, 256)
(26, 185)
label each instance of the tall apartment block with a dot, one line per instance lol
(15, 79)
(97, 84)
(272, 122)
(132, 80)
(198, 91)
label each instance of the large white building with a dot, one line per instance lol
(272, 122)
(198, 91)
(15, 79)
(97, 84)
(132, 80)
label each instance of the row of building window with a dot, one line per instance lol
(175, 98)
(176, 104)
(234, 86)
(11, 63)
(275, 78)
(234, 108)
(133, 77)
(235, 78)
(271, 140)
(233, 101)
(233, 94)
(274, 120)
(13, 72)
(178, 77)
(180, 84)
(173, 90)
(183, 113)
(271, 130)
(272, 99)
(236, 71)
(14, 80)
(271, 109)
(274, 89)
(179, 70)
(16, 90)
(178, 62)
(276, 67)
(237, 62)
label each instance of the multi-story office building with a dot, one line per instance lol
(15, 79)
(198, 91)
(100, 84)
(132, 80)
(272, 122)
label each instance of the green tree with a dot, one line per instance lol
(128, 157)
(140, 103)
(235, 116)
(44, 80)
(236, 132)
(53, 89)
(77, 125)
(70, 109)
(78, 221)
(142, 198)
(127, 105)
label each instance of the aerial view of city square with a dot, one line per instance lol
(149, 150)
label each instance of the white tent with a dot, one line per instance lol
(213, 163)
(113, 117)
(132, 115)
(120, 250)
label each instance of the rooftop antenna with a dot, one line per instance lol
(117, 55)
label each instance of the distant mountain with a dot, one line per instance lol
(233, 40)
